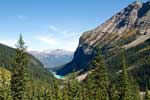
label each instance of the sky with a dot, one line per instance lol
(53, 24)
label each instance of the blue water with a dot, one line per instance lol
(58, 76)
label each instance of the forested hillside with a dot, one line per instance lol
(23, 77)
(36, 68)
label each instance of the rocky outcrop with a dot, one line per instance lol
(127, 29)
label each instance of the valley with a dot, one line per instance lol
(111, 61)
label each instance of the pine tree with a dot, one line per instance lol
(99, 77)
(19, 77)
(90, 86)
(113, 95)
(65, 92)
(135, 91)
(125, 86)
(83, 92)
(56, 92)
(73, 87)
(147, 96)
(46, 90)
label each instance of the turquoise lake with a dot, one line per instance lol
(57, 76)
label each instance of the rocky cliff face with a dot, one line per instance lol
(127, 29)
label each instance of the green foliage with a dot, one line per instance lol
(4, 85)
(65, 92)
(19, 75)
(147, 96)
(73, 87)
(134, 89)
(31, 82)
(56, 92)
(113, 93)
(35, 66)
(125, 86)
(99, 78)
(138, 61)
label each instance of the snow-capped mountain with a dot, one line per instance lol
(53, 58)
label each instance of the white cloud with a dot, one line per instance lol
(70, 45)
(30, 49)
(59, 38)
(8, 42)
(70, 39)
(47, 39)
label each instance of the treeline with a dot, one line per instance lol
(7, 55)
(138, 61)
(97, 85)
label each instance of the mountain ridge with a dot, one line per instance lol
(53, 58)
(127, 29)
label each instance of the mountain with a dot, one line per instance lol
(53, 58)
(36, 68)
(129, 29)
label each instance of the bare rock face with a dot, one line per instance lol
(127, 29)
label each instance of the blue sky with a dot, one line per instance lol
(53, 24)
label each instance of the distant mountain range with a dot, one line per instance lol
(53, 58)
